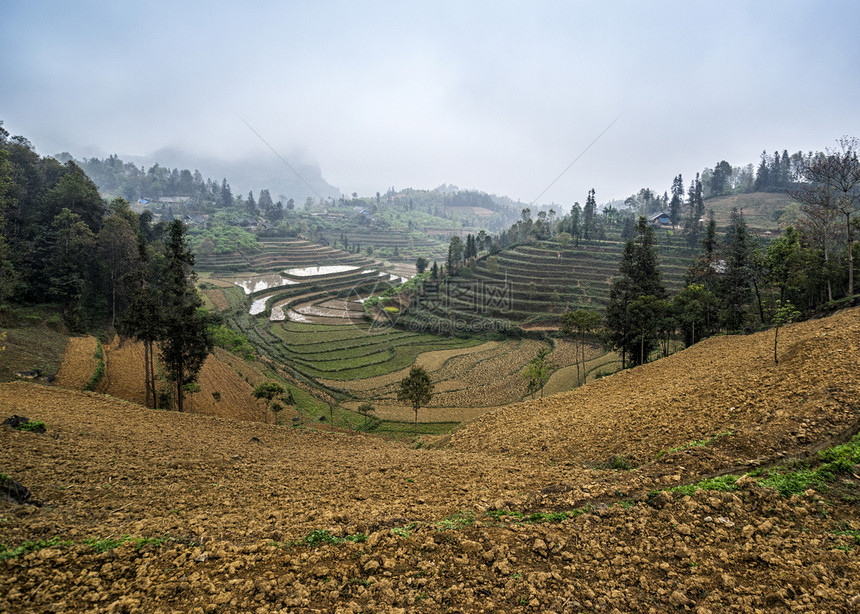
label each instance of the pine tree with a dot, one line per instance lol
(677, 200)
(635, 298)
(575, 228)
(144, 317)
(736, 284)
(762, 177)
(226, 196)
(589, 213)
(186, 338)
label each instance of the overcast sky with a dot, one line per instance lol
(498, 96)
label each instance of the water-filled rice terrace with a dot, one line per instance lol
(306, 313)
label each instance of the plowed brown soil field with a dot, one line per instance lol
(154, 511)
(723, 384)
(79, 363)
(223, 392)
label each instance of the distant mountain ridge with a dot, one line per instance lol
(298, 180)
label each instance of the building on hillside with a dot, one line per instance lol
(197, 220)
(660, 219)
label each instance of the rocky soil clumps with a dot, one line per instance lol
(155, 511)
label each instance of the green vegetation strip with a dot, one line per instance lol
(98, 374)
(33, 425)
(838, 461)
(698, 443)
(96, 543)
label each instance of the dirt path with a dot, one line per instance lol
(79, 363)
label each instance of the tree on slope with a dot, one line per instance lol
(833, 184)
(187, 341)
(537, 371)
(627, 327)
(268, 391)
(577, 325)
(417, 390)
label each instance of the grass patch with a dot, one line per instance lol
(103, 545)
(31, 546)
(722, 483)
(698, 443)
(33, 425)
(457, 520)
(29, 348)
(321, 537)
(835, 462)
(233, 342)
(404, 531)
(537, 517)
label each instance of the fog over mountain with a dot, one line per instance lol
(500, 96)
(293, 177)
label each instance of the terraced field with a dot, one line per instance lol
(343, 353)
(280, 253)
(538, 282)
(409, 244)
(303, 309)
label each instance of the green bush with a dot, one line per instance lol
(33, 425)
(96, 378)
(233, 342)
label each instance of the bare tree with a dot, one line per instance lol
(832, 184)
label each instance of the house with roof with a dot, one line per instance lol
(660, 219)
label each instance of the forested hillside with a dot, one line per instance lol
(102, 265)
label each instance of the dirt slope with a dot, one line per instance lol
(223, 391)
(79, 363)
(210, 505)
(723, 384)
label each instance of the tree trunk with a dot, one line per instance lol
(758, 300)
(775, 337)
(850, 255)
(113, 297)
(180, 382)
(146, 372)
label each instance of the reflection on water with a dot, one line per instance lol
(262, 282)
(258, 306)
(310, 271)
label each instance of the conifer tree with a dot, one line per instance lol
(589, 213)
(186, 338)
(634, 298)
(677, 200)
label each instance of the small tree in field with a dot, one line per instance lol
(365, 409)
(577, 325)
(417, 390)
(537, 371)
(276, 407)
(268, 391)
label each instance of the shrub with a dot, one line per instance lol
(33, 425)
(233, 342)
